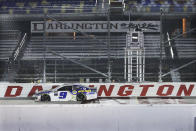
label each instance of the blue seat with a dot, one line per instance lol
(39, 4)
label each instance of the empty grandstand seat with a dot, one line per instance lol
(43, 6)
(82, 47)
(186, 47)
(156, 5)
(8, 40)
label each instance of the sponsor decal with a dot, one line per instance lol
(44, 92)
(108, 89)
(62, 95)
(74, 92)
(94, 26)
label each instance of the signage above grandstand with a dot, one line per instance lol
(94, 26)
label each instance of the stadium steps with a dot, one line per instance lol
(172, 56)
(186, 47)
(8, 42)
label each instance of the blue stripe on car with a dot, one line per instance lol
(46, 92)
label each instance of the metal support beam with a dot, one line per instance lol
(161, 44)
(55, 71)
(44, 53)
(44, 72)
(134, 67)
(85, 66)
(180, 35)
(125, 66)
(76, 62)
(108, 46)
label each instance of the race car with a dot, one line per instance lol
(75, 92)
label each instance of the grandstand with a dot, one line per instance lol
(96, 55)
(78, 6)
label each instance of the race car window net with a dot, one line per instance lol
(75, 87)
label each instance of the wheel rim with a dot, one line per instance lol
(81, 97)
(45, 98)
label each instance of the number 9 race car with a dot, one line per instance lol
(67, 93)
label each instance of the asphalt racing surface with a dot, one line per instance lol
(106, 116)
(133, 101)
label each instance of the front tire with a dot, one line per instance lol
(81, 97)
(45, 97)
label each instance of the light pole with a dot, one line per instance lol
(108, 46)
(44, 55)
(161, 45)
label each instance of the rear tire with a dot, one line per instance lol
(81, 97)
(45, 97)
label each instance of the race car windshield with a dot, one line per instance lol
(54, 88)
(65, 88)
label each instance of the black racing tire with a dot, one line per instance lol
(81, 97)
(45, 97)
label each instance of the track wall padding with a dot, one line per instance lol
(153, 89)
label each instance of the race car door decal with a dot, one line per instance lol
(62, 95)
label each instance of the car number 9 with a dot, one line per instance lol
(62, 95)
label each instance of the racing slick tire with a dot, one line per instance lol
(81, 97)
(45, 97)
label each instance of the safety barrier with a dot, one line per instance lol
(154, 89)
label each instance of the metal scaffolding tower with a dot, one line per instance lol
(134, 60)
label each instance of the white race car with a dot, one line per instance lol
(74, 92)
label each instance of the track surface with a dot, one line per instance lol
(105, 115)
(98, 117)
(102, 101)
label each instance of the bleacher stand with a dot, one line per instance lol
(156, 5)
(46, 6)
(91, 50)
(69, 6)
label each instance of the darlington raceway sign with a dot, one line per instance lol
(93, 26)
(107, 89)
